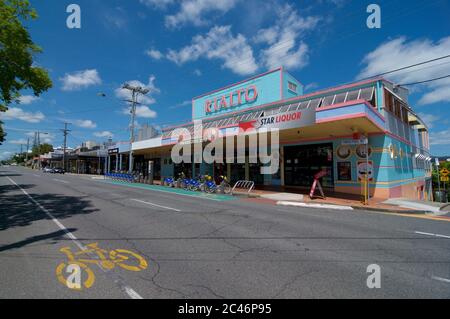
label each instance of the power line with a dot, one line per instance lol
(408, 67)
(425, 81)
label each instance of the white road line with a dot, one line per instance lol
(36, 175)
(60, 181)
(129, 291)
(433, 235)
(156, 205)
(441, 279)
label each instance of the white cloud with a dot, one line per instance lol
(440, 138)
(154, 54)
(27, 99)
(159, 4)
(85, 124)
(4, 155)
(311, 86)
(184, 103)
(285, 47)
(142, 111)
(193, 12)
(22, 141)
(80, 80)
(219, 43)
(104, 134)
(15, 113)
(399, 52)
(197, 72)
(144, 99)
(115, 17)
(429, 119)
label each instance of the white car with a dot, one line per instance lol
(48, 170)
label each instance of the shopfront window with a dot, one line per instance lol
(303, 162)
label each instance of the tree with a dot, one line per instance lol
(42, 149)
(17, 52)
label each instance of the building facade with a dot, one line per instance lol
(318, 132)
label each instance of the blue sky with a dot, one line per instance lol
(181, 49)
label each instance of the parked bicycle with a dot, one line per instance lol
(169, 182)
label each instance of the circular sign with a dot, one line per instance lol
(361, 151)
(365, 168)
(344, 151)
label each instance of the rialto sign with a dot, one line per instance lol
(233, 99)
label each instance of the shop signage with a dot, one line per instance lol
(233, 99)
(113, 151)
(283, 121)
(362, 141)
(365, 167)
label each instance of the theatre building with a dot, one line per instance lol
(320, 131)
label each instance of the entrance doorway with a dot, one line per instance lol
(301, 163)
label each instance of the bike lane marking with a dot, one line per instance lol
(156, 205)
(126, 289)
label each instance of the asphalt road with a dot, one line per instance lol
(201, 248)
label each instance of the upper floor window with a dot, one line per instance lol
(292, 87)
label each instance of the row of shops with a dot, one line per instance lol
(92, 162)
(324, 131)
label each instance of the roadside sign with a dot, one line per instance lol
(444, 172)
(445, 179)
(365, 167)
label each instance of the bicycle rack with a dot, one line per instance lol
(121, 177)
(243, 185)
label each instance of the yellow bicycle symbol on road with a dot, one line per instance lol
(125, 259)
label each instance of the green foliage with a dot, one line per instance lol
(2, 133)
(17, 52)
(41, 149)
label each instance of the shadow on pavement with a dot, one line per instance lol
(9, 174)
(55, 236)
(17, 210)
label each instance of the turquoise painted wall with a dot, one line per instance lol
(269, 90)
(167, 169)
(287, 94)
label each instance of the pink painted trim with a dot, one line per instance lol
(237, 83)
(351, 116)
(280, 102)
(340, 105)
(341, 117)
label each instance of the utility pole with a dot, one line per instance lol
(65, 132)
(28, 150)
(135, 90)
